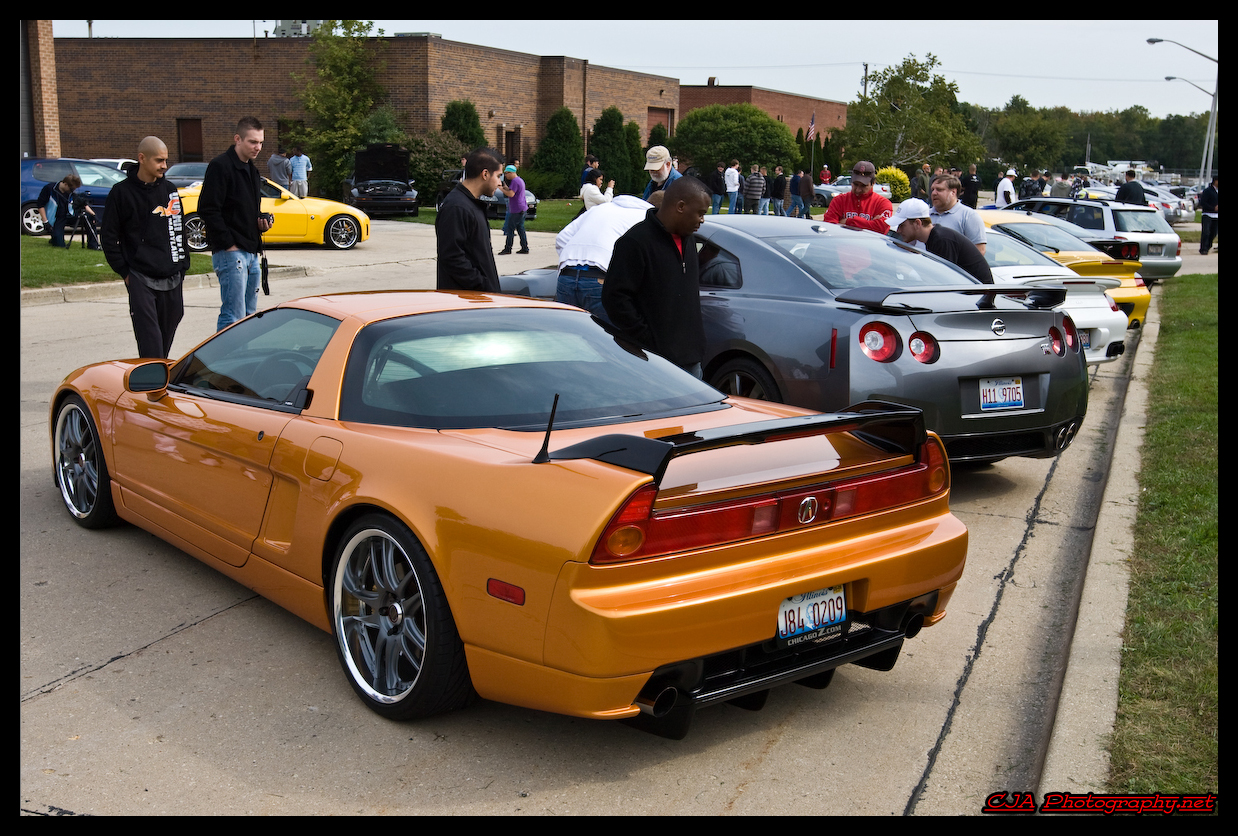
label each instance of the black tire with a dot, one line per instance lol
(80, 469)
(195, 233)
(395, 636)
(342, 232)
(746, 378)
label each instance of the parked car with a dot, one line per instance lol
(183, 175)
(496, 204)
(379, 184)
(1159, 247)
(1171, 208)
(406, 491)
(822, 194)
(1101, 323)
(843, 184)
(37, 172)
(1133, 297)
(117, 163)
(298, 220)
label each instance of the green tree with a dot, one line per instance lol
(657, 136)
(560, 156)
(461, 121)
(430, 154)
(634, 173)
(610, 145)
(383, 125)
(1030, 137)
(911, 117)
(738, 131)
(338, 96)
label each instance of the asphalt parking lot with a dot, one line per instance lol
(151, 684)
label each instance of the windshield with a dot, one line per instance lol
(1007, 252)
(100, 176)
(1045, 237)
(841, 261)
(503, 368)
(1127, 220)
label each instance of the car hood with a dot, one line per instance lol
(382, 162)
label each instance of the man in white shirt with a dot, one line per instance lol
(949, 212)
(1005, 190)
(585, 247)
(732, 185)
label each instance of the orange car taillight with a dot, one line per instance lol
(637, 532)
(879, 341)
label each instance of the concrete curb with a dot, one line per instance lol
(109, 290)
(1078, 757)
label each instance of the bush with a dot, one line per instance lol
(560, 157)
(900, 186)
(460, 119)
(430, 154)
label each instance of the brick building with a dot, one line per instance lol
(190, 92)
(792, 110)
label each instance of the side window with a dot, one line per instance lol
(719, 269)
(51, 171)
(1088, 217)
(268, 357)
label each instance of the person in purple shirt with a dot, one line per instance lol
(513, 189)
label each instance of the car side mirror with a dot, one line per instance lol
(150, 377)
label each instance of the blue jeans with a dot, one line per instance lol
(717, 203)
(734, 198)
(776, 203)
(763, 206)
(513, 223)
(797, 206)
(239, 275)
(582, 287)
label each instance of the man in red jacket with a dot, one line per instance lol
(861, 208)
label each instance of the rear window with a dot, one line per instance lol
(1127, 220)
(1045, 237)
(503, 368)
(844, 261)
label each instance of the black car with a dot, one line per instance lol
(379, 184)
(182, 175)
(496, 204)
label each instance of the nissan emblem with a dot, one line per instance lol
(999, 327)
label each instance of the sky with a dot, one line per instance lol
(1084, 65)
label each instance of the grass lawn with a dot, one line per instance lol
(1167, 732)
(46, 266)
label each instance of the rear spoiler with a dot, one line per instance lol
(878, 299)
(895, 428)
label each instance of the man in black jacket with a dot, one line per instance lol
(1131, 191)
(231, 206)
(465, 256)
(144, 242)
(1210, 215)
(652, 293)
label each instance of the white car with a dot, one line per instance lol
(1101, 323)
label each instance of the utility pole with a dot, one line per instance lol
(866, 80)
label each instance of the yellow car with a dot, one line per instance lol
(298, 220)
(484, 495)
(1133, 297)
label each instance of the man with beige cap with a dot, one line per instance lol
(661, 168)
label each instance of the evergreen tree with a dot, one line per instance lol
(461, 121)
(560, 156)
(610, 146)
(635, 173)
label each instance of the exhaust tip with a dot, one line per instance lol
(913, 626)
(659, 704)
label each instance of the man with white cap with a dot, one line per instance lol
(913, 224)
(861, 208)
(661, 170)
(1005, 190)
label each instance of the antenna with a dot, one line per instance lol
(543, 456)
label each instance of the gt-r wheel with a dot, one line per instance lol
(31, 221)
(195, 232)
(747, 379)
(394, 632)
(81, 472)
(343, 232)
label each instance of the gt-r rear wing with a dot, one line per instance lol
(895, 428)
(883, 299)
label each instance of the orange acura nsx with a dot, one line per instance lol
(482, 495)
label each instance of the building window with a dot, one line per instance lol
(189, 140)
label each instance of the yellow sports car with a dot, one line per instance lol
(298, 220)
(1133, 297)
(486, 495)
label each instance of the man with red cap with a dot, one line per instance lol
(861, 208)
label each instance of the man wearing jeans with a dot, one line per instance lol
(230, 206)
(517, 204)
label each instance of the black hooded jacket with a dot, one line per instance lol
(143, 228)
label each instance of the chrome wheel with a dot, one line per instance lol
(81, 472)
(396, 639)
(31, 221)
(195, 233)
(343, 232)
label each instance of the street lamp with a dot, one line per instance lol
(1188, 81)
(1205, 166)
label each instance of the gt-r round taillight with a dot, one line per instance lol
(1059, 342)
(879, 341)
(1072, 334)
(923, 347)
